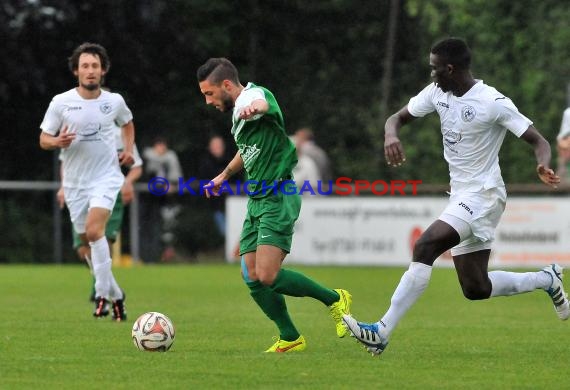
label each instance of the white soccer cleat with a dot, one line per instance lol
(367, 334)
(556, 291)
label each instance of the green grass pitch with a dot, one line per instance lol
(49, 340)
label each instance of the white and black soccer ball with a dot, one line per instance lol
(153, 331)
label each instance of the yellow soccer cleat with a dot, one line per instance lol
(340, 308)
(288, 346)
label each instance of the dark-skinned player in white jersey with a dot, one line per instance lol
(474, 121)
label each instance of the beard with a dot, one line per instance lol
(91, 86)
(444, 87)
(227, 102)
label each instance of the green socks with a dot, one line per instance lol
(296, 284)
(292, 283)
(274, 307)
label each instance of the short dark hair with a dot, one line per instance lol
(90, 48)
(454, 51)
(218, 70)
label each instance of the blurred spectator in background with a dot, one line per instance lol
(563, 146)
(306, 168)
(160, 213)
(305, 142)
(214, 161)
(162, 162)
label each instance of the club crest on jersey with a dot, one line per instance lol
(468, 113)
(105, 108)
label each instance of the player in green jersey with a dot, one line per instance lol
(268, 156)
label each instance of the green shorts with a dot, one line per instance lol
(113, 227)
(270, 221)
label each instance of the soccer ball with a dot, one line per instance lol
(153, 331)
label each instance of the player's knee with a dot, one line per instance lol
(476, 292)
(93, 234)
(424, 249)
(267, 278)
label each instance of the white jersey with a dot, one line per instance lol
(92, 156)
(473, 127)
(119, 145)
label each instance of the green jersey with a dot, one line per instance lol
(267, 153)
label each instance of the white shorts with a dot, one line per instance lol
(80, 200)
(475, 216)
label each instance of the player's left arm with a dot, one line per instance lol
(256, 107)
(126, 157)
(135, 172)
(543, 155)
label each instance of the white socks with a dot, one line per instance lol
(105, 284)
(416, 279)
(116, 292)
(511, 283)
(411, 287)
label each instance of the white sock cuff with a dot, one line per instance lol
(97, 243)
(420, 270)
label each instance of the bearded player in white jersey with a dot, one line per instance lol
(82, 122)
(474, 120)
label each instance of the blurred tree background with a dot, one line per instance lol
(339, 66)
